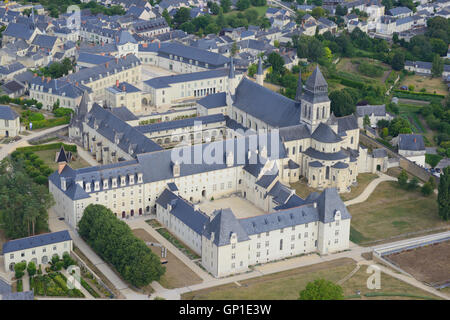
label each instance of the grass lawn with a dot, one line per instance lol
(363, 180)
(302, 189)
(284, 285)
(261, 11)
(388, 285)
(177, 274)
(391, 211)
(48, 156)
(430, 84)
(287, 285)
(349, 65)
(178, 243)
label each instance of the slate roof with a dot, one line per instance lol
(266, 180)
(328, 202)
(398, 11)
(27, 295)
(125, 37)
(44, 41)
(93, 58)
(182, 123)
(347, 123)
(183, 210)
(166, 81)
(214, 60)
(325, 134)
(315, 154)
(316, 164)
(266, 105)
(223, 225)
(36, 241)
(411, 142)
(6, 113)
(214, 100)
(340, 165)
(58, 87)
(19, 30)
(316, 88)
(12, 87)
(284, 218)
(379, 153)
(13, 67)
(110, 127)
(377, 110)
(297, 132)
(129, 88)
(280, 193)
(123, 113)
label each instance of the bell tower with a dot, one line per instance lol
(315, 104)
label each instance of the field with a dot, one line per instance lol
(393, 212)
(287, 285)
(430, 84)
(429, 264)
(48, 156)
(177, 273)
(349, 65)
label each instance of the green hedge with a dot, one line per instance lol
(89, 288)
(432, 159)
(421, 93)
(50, 146)
(422, 96)
(19, 285)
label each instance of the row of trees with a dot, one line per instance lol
(56, 69)
(113, 240)
(23, 203)
(213, 24)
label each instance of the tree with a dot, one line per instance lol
(19, 269)
(444, 194)
(113, 240)
(318, 12)
(403, 179)
(214, 7)
(398, 60)
(277, 62)
(322, 289)
(437, 66)
(242, 5)
(166, 16)
(342, 103)
(340, 10)
(226, 5)
(413, 183)
(181, 16)
(234, 49)
(23, 203)
(427, 189)
(366, 121)
(31, 268)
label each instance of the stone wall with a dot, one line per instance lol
(404, 163)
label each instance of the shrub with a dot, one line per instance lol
(19, 285)
(31, 268)
(62, 112)
(432, 159)
(19, 269)
(403, 179)
(413, 183)
(427, 189)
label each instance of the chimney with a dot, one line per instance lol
(159, 45)
(117, 83)
(35, 75)
(145, 45)
(43, 78)
(414, 140)
(61, 166)
(48, 79)
(106, 65)
(123, 88)
(76, 84)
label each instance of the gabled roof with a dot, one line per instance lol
(6, 113)
(324, 133)
(266, 105)
(62, 155)
(223, 225)
(36, 241)
(214, 100)
(411, 142)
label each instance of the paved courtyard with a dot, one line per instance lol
(241, 208)
(149, 72)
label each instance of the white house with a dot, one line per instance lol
(39, 249)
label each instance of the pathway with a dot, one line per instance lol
(57, 225)
(8, 148)
(370, 188)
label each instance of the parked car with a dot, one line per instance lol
(438, 170)
(403, 88)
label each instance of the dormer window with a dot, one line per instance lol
(114, 182)
(96, 186)
(139, 177)
(122, 181)
(131, 178)
(88, 187)
(105, 184)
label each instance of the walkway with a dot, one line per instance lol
(370, 188)
(57, 225)
(9, 148)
